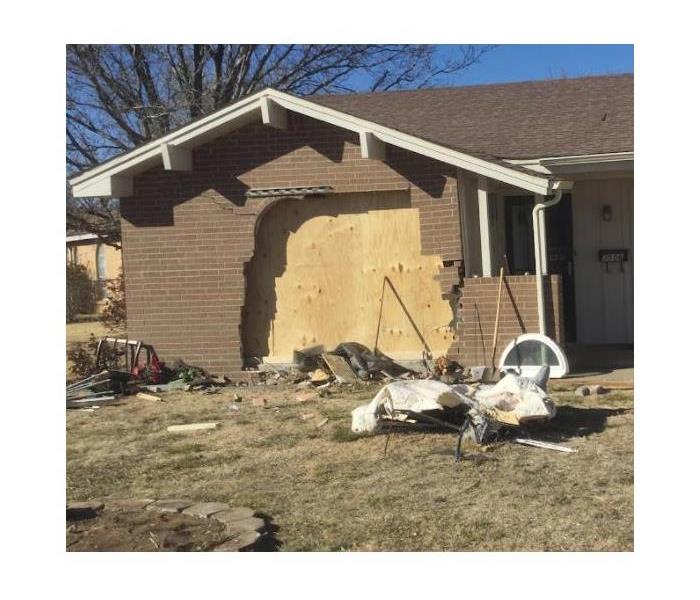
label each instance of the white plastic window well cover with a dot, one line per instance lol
(527, 353)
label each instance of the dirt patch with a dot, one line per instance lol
(143, 531)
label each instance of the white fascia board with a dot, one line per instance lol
(588, 159)
(81, 237)
(180, 137)
(577, 162)
(116, 186)
(93, 182)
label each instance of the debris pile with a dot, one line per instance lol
(477, 412)
(353, 363)
(129, 356)
(135, 369)
(98, 390)
(183, 376)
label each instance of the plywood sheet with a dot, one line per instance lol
(317, 277)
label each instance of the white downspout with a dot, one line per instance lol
(539, 250)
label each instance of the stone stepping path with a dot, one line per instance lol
(243, 527)
(205, 509)
(169, 505)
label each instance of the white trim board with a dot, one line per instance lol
(81, 237)
(578, 163)
(113, 178)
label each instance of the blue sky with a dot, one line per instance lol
(519, 62)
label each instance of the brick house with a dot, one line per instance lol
(102, 261)
(279, 223)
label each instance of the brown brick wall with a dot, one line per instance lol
(477, 315)
(188, 236)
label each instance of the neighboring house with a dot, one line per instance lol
(102, 261)
(279, 223)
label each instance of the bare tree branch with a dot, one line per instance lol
(120, 96)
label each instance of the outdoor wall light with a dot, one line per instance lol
(607, 213)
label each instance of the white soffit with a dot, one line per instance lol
(172, 151)
(555, 165)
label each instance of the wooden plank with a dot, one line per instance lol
(340, 368)
(545, 445)
(192, 427)
(83, 402)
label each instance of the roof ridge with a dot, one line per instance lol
(474, 86)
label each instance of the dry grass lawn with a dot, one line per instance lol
(327, 489)
(80, 332)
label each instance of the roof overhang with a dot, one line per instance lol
(583, 163)
(81, 237)
(173, 151)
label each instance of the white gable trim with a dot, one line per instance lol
(112, 177)
(579, 163)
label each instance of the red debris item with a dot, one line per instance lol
(151, 371)
(139, 360)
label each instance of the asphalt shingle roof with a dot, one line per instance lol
(562, 117)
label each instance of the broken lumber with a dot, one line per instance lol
(319, 376)
(192, 427)
(546, 445)
(82, 402)
(101, 376)
(151, 397)
(340, 368)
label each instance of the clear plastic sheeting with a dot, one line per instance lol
(514, 400)
(416, 395)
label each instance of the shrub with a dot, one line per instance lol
(80, 292)
(82, 358)
(114, 313)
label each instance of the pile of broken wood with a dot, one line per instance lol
(321, 371)
(352, 363)
(101, 389)
(109, 386)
